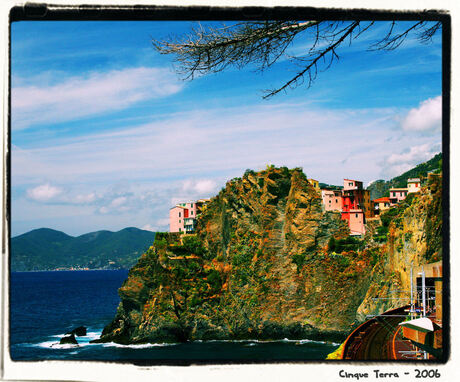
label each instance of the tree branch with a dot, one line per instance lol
(264, 43)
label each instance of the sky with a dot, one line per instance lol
(105, 134)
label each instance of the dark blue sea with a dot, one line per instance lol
(46, 305)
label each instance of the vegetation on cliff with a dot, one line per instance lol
(268, 262)
(258, 267)
(412, 236)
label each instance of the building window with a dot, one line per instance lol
(191, 213)
(394, 194)
(180, 229)
(191, 205)
(356, 215)
(179, 214)
(179, 220)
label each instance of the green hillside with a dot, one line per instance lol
(380, 188)
(48, 249)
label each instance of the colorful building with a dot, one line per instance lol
(381, 204)
(315, 184)
(355, 197)
(332, 200)
(413, 185)
(397, 195)
(182, 217)
(350, 184)
(356, 221)
(356, 206)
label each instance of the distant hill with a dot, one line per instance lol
(48, 249)
(381, 187)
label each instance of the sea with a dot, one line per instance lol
(44, 306)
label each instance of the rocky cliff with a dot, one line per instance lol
(266, 262)
(414, 238)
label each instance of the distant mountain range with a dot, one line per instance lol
(380, 188)
(48, 249)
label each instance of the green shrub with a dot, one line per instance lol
(332, 244)
(348, 244)
(299, 260)
(215, 280)
(193, 245)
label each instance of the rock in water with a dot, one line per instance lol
(80, 331)
(68, 340)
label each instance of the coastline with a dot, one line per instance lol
(73, 270)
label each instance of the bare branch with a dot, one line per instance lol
(261, 44)
(313, 63)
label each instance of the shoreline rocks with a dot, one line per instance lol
(68, 340)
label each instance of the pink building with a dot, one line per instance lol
(350, 184)
(332, 200)
(397, 195)
(356, 222)
(182, 217)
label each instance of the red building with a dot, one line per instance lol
(356, 206)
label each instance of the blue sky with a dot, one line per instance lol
(106, 135)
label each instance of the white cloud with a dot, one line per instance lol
(96, 93)
(159, 225)
(85, 199)
(149, 227)
(48, 194)
(44, 192)
(396, 164)
(203, 148)
(191, 155)
(117, 202)
(203, 186)
(427, 116)
(103, 210)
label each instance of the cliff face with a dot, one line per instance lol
(260, 267)
(414, 239)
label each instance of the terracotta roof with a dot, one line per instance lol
(382, 200)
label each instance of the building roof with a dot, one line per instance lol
(413, 180)
(352, 180)
(399, 189)
(184, 208)
(382, 200)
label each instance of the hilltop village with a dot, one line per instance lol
(351, 200)
(272, 256)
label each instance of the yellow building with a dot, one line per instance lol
(315, 184)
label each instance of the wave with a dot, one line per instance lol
(84, 341)
(256, 341)
(136, 346)
(55, 345)
(53, 342)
